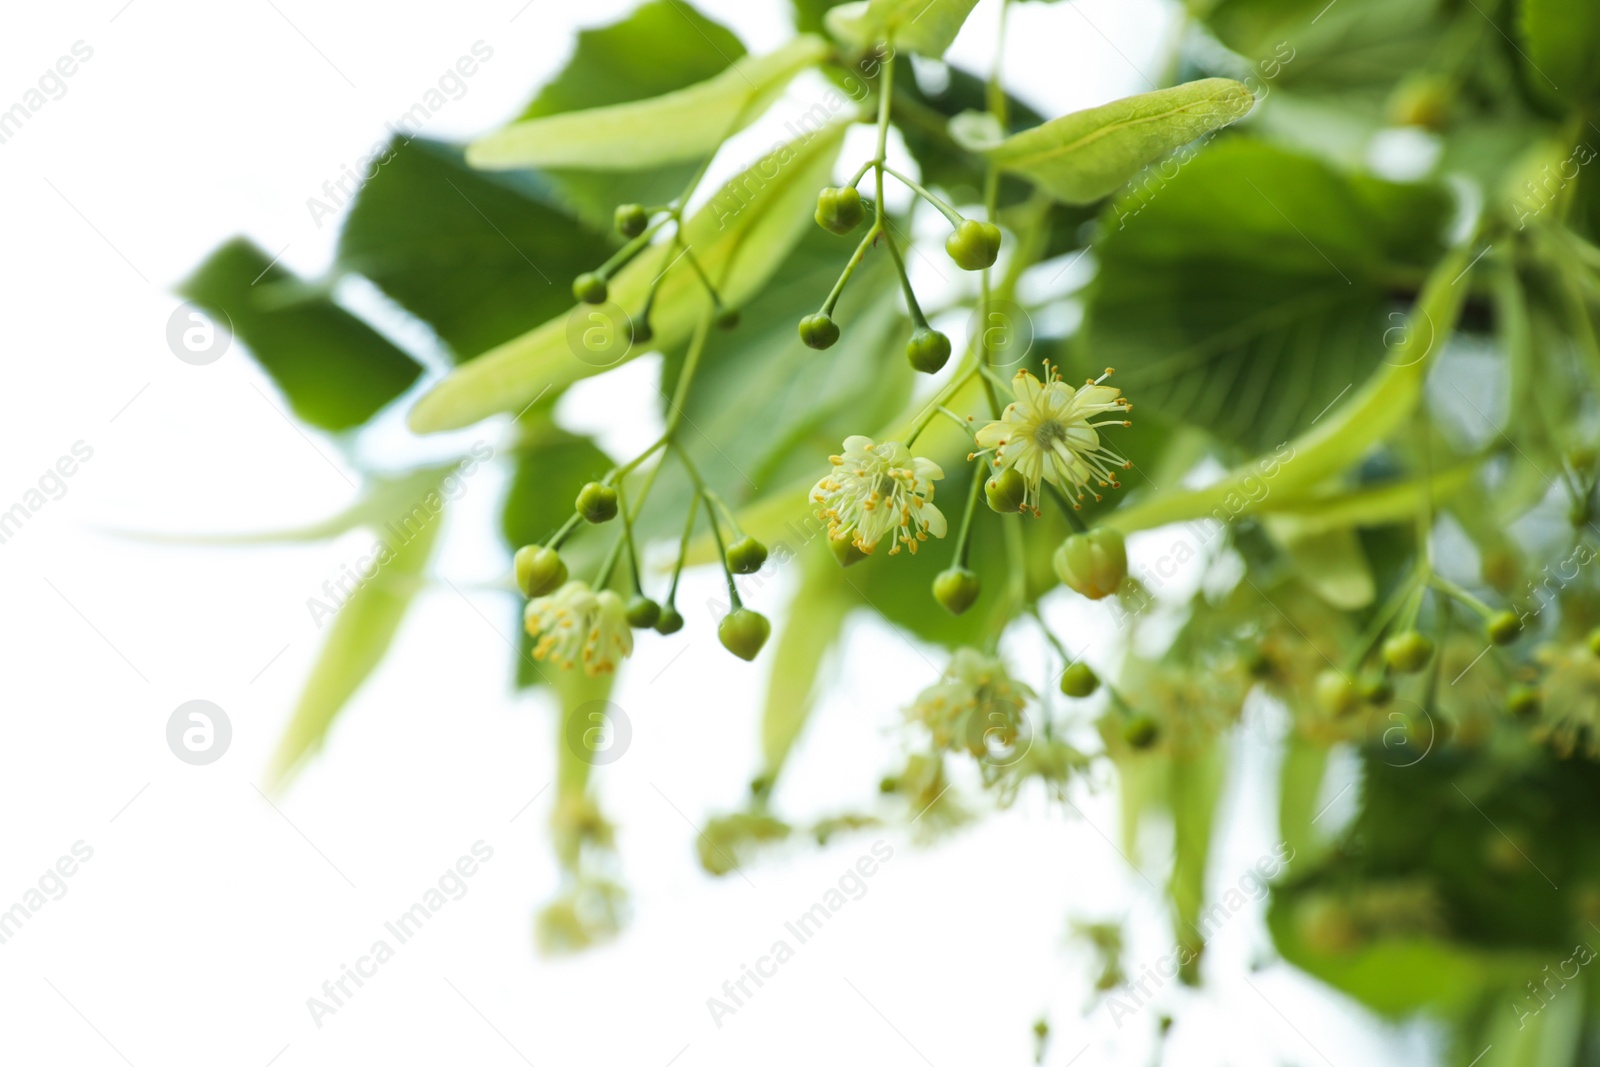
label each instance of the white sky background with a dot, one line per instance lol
(206, 917)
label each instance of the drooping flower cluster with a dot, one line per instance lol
(1049, 434)
(877, 490)
(976, 705)
(575, 624)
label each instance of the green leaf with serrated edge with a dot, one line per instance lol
(740, 237)
(479, 257)
(335, 371)
(816, 617)
(1345, 434)
(1086, 155)
(362, 629)
(680, 126)
(927, 27)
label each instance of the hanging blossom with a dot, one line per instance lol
(575, 624)
(974, 705)
(1048, 434)
(876, 490)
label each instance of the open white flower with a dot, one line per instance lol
(879, 489)
(975, 704)
(575, 624)
(1047, 434)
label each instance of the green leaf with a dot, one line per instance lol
(1194, 788)
(677, 127)
(1088, 154)
(927, 27)
(361, 631)
(816, 618)
(1300, 778)
(1329, 562)
(1563, 39)
(334, 370)
(480, 257)
(1252, 290)
(740, 237)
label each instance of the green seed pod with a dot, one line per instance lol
(728, 319)
(589, 288)
(1503, 627)
(743, 632)
(1093, 563)
(928, 350)
(1523, 701)
(839, 210)
(819, 331)
(642, 612)
(1140, 731)
(974, 245)
(956, 589)
(1006, 491)
(631, 219)
(669, 621)
(1336, 693)
(1407, 652)
(746, 556)
(1079, 680)
(1377, 691)
(597, 503)
(539, 570)
(845, 551)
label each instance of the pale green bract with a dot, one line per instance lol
(1081, 157)
(926, 27)
(739, 238)
(674, 128)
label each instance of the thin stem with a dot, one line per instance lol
(917, 316)
(627, 536)
(950, 213)
(683, 548)
(1449, 588)
(963, 544)
(691, 363)
(850, 267)
(559, 538)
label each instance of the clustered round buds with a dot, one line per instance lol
(1093, 563)
(1503, 627)
(839, 210)
(974, 245)
(597, 503)
(1006, 491)
(928, 350)
(1407, 652)
(1079, 680)
(746, 556)
(819, 331)
(956, 589)
(669, 621)
(539, 570)
(631, 219)
(590, 288)
(743, 632)
(1336, 693)
(643, 613)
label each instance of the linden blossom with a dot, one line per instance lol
(803, 929)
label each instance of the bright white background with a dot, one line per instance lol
(207, 917)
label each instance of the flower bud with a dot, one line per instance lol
(746, 556)
(728, 319)
(839, 210)
(1140, 731)
(1093, 563)
(597, 503)
(928, 350)
(1523, 702)
(643, 613)
(1503, 627)
(974, 245)
(631, 219)
(1407, 652)
(1336, 693)
(639, 330)
(743, 632)
(539, 570)
(669, 621)
(956, 589)
(845, 551)
(1079, 680)
(819, 331)
(1377, 691)
(1006, 491)
(589, 288)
